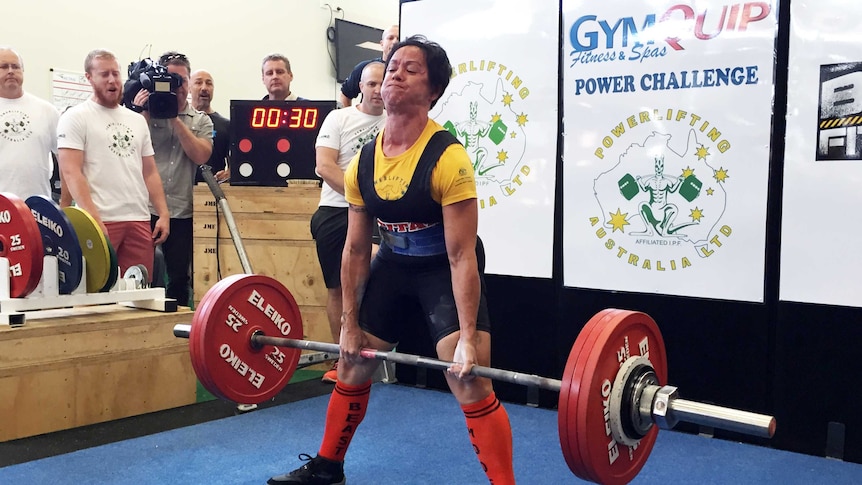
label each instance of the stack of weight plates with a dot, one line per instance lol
(38, 227)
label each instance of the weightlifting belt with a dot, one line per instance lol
(413, 239)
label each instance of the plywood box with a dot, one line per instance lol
(273, 224)
(73, 367)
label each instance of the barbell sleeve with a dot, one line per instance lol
(709, 415)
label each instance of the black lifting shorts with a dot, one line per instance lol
(329, 230)
(393, 290)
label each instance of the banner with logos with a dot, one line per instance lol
(502, 104)
(820, 260)
(667, 121)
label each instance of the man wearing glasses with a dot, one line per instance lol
(28, 132)
(181, 144)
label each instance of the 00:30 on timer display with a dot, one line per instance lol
(276, 117)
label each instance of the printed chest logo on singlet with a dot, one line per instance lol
(15, 126)
(391, 187)
(120, 139)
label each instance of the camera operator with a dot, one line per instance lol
(181, 144)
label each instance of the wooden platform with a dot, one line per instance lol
(77, 366)
(273, 223)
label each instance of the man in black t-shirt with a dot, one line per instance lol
(350, 86)
(202, 89)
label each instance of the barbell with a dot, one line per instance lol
(245, 341)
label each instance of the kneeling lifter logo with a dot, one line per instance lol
(664, 199)
(485, 112)
(121, 139)
(15, 126)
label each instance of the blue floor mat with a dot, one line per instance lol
(409, 436)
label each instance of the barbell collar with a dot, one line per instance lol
(668, 409)
(182, 330)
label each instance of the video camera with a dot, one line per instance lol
(162, 85)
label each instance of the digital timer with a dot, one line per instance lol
(273, 141)
(297, 118)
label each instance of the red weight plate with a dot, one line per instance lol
(569, 390)
(626, 334)
(230, 313)
(589, 342)
(196, 338)
(590, 338)
(21, 244)
(194, 343)
(201, 344)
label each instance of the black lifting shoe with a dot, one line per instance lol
(316, 471)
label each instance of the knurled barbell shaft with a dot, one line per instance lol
(680, 409)
(414, 360)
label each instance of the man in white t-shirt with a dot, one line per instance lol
(107, 163)
(341, 136)
(28, 132)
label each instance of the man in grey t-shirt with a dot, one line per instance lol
(181, 144)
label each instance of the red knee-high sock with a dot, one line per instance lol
(347, 406)
(491, 435)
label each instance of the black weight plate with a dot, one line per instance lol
(60, 240)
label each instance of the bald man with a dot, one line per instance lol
(350, 86)
(28, 132)
(202, 89)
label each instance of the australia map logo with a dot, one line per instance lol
(15, 126)
(485, 109)
(662, 204)
(121, 139)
